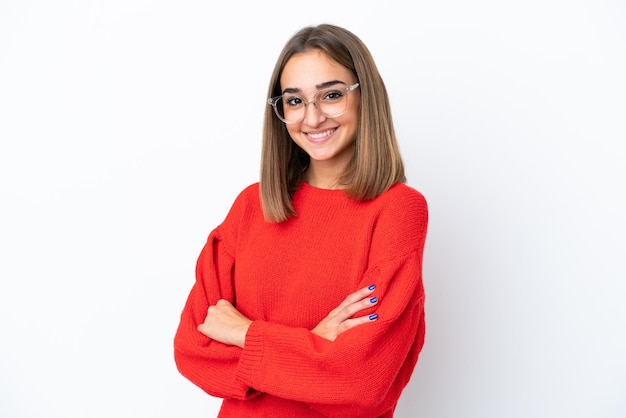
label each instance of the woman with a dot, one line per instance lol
(308, 299)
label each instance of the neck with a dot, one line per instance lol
(323, 177)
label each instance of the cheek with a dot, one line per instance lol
(350, 121)
(352, 113)
(293, 131)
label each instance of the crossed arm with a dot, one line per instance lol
(224, 323)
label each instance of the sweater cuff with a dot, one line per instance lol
(251, 357)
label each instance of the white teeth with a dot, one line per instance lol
(321, 134)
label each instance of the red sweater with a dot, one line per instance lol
(286, 277)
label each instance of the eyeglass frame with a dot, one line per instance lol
(273, 100)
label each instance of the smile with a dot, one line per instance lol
(321, 135)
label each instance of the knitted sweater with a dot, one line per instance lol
(286, 277)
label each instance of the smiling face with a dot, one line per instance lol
(329, 142)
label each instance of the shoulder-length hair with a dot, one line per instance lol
(376, 164)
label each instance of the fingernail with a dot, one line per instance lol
(372, 287)
(373, 317)
(374, 299)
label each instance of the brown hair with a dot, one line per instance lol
(376, 164)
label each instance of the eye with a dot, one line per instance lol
(292, 101)
(331, 95)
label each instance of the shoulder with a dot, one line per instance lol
(250, 191)
(401, 222)
(246, 206)
(403, 200)
(247, 197)
(405, 191)
(246, 202)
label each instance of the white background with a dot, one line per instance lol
(128, 127)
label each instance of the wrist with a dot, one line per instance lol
(240, 337)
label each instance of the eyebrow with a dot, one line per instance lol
(324, 85)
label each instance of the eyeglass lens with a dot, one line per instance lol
(331, 103)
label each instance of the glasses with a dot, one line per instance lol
(331, 103)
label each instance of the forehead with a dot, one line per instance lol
(306, 70)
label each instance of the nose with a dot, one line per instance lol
(312, 114)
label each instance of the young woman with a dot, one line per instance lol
(308, 300)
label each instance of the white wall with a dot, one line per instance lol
(128, 127)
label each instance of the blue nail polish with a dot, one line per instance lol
(373, 317)
(374, 299)
(371, 287)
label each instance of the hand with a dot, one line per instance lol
(224, 323)
(340, 319)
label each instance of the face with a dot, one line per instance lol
(329, 142)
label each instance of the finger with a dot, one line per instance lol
(355, 322)
(361, 293)
(356, 296)
(352, 309)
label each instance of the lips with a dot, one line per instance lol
(320, 136)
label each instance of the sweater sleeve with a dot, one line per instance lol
(209, 364)
(363, 372)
